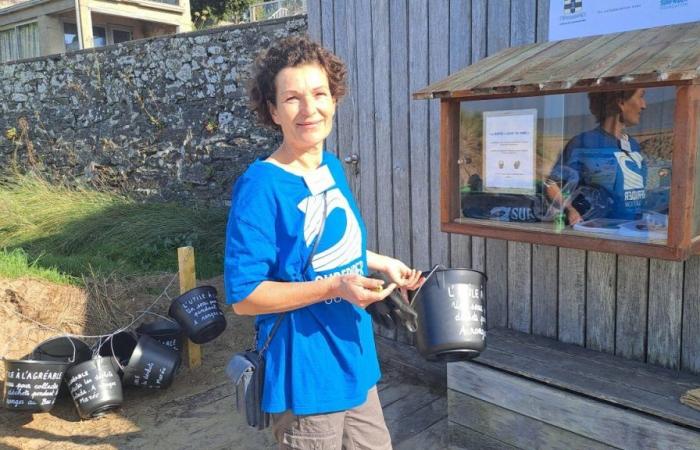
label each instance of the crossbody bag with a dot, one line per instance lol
(247, 369)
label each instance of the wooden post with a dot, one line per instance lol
(188, 280)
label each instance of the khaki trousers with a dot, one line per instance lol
(360, 428)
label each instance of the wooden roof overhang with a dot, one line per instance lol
(654, 56)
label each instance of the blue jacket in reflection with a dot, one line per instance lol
(596, 159)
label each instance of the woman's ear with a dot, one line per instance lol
(273, 112)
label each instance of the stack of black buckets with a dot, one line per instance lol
(147, 357)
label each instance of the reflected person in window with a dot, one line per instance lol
(602, 171)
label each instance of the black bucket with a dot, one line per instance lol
(119, 347)
(166, 331)
(198, 312)
(32, 385)
(95, 387)
(64, 349)
(152, 365)
(451, 315)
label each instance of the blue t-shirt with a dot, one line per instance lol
(598, 160)
(323, 357)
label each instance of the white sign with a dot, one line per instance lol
(577, 18)
(509, 151)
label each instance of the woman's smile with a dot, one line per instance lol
(304, 107)
(310, 124)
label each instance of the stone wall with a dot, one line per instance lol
(164, 118)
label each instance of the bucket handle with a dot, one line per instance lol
(110, 337)
(75, 349)
(435, 267)
(111, 344)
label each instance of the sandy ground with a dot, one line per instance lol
(195, 412)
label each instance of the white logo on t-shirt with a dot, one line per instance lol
(631, 179)
(348, 248)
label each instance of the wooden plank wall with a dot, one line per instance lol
(642, 309)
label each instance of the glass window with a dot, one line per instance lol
(19, 42)
(99, 36)
(28, 40)
(8, 45)
(587, 164)
(120, 36)
(70, 36)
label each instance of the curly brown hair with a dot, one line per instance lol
(604, 104)
(291, 51)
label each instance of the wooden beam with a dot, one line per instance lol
(683, 164)
(449, 170)
(510, 232)
(188, 280)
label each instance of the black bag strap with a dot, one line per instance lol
(278, 322)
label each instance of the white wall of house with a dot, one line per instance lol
(162, 13)
(50, 35)
(154, 18)
(19, 13)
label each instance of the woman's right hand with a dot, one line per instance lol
(573, 216)
(362, 291)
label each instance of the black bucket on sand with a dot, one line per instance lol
(95, 387)
(166, 331)
(451, 314)
(198, 312)
(64, 349)
(119, 347)
(152, 365)
(32, 385)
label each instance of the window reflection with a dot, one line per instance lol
(602, 162)
(99, 36)
(70, 36)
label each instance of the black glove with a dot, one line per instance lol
(393, 310)
(381, 314)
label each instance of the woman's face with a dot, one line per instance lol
(631, 109)
(304, 106)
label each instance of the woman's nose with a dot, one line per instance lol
(308, 104)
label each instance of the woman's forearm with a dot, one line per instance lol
(376, 262)
(276, 296)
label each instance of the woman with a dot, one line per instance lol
(604, 163)
(321, 365)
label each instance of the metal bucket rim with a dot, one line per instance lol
(34, 361)
(460, 269)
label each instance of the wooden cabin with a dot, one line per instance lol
(605, 339)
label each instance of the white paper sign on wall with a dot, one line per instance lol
(578, 18)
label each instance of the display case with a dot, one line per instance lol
(577, 144)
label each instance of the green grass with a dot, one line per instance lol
(81, 231)
(16, 264)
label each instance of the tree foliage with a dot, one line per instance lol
(206, 13)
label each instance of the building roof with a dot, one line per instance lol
(670, 53)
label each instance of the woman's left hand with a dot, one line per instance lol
(405, 278)
(402, 275)
(395, 271)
